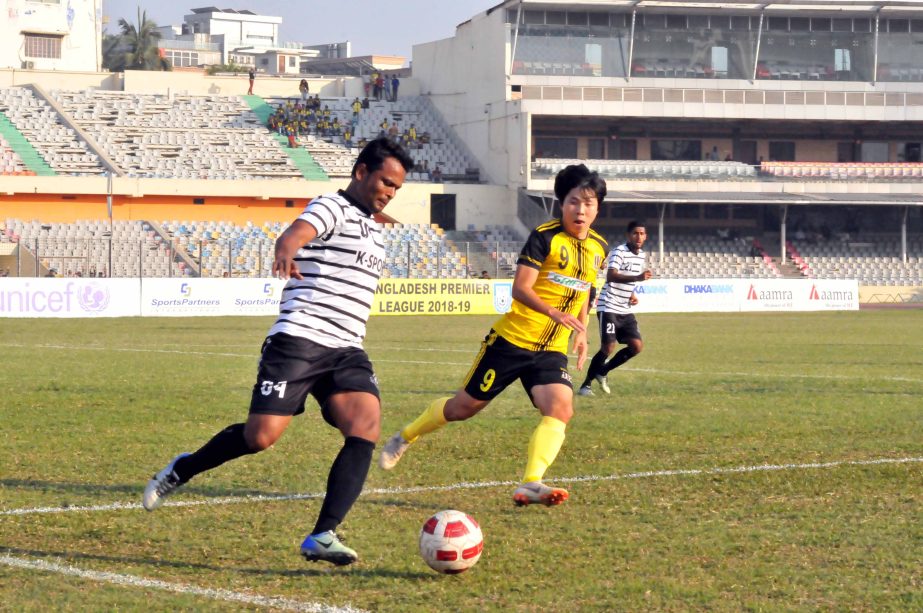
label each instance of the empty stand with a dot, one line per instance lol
(178, 136)
(872, 260)
(706, 257)
(59, 146)
(87, 248)
(652, 169)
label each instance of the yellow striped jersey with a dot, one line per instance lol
(567, 268)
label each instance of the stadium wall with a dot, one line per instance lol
(67, 199)
(465, 78)
(191, 82)
(71, 80)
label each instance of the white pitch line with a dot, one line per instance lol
(286, 604)
(118, 506)
(653, 371)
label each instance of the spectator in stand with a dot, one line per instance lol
(394, 131)
(357, 106)
(348, 136)
(290, 133)
(485, 274)
(379, 86)
(304, 89)
(395, 83)
(365, 102)
(437, 174)
(386, 84)
(384, 127)
(367, 85)
(429, 176)
(252, 75)
(412, 132)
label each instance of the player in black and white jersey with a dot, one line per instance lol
(332, 257)
(624, 268)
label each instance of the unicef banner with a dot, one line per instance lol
(69, 297)
(191, 297)
(443, 297)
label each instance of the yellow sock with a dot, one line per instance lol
(430, 419)
(544, 446)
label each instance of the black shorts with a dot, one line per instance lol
(616, 327)
(292, 367)
(500, 362)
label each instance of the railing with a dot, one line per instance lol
(120, 258)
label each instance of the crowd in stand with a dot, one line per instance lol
(296, 118)
(381, 86)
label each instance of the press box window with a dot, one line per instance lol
(42, 45)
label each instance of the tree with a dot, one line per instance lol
(135, 48)
(113, 53)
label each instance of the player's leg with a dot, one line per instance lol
(555, 402)
(358, 417)
(348, 394)
(279, 393)
(596, 370)
(494, 368)
(257, 434)
(629, 335)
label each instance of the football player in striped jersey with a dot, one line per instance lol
(331, 257)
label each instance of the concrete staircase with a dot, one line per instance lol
(24, 149)
(308, 166)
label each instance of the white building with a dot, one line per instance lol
(51, 35)
(234, 29)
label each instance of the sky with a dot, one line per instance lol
(373, 27)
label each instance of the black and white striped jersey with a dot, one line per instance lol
(341, 267)
(614, 297)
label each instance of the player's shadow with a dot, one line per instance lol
(72, 557)
(133, 489)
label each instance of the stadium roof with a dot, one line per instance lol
(787, 5)
(780, 198)
(213, 9)
(765, 198)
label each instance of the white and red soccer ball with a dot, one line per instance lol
(451, 542)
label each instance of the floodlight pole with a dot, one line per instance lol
(663, 212)
(782, 232)
(109, 210)
(904, 234)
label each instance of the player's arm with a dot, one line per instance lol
(523, 292)
(297, 235)
(615, 275)
(580, 344)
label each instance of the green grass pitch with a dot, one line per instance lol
(667, 511)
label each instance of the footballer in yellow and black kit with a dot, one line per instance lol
(528, 345)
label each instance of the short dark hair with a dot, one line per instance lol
(634, 223)
(579, 176)
(374, 154)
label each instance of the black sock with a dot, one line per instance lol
(344, 484)
(226, 445)
(596, 367)
(618, 359)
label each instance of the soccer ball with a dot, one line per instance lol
(451, 542)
